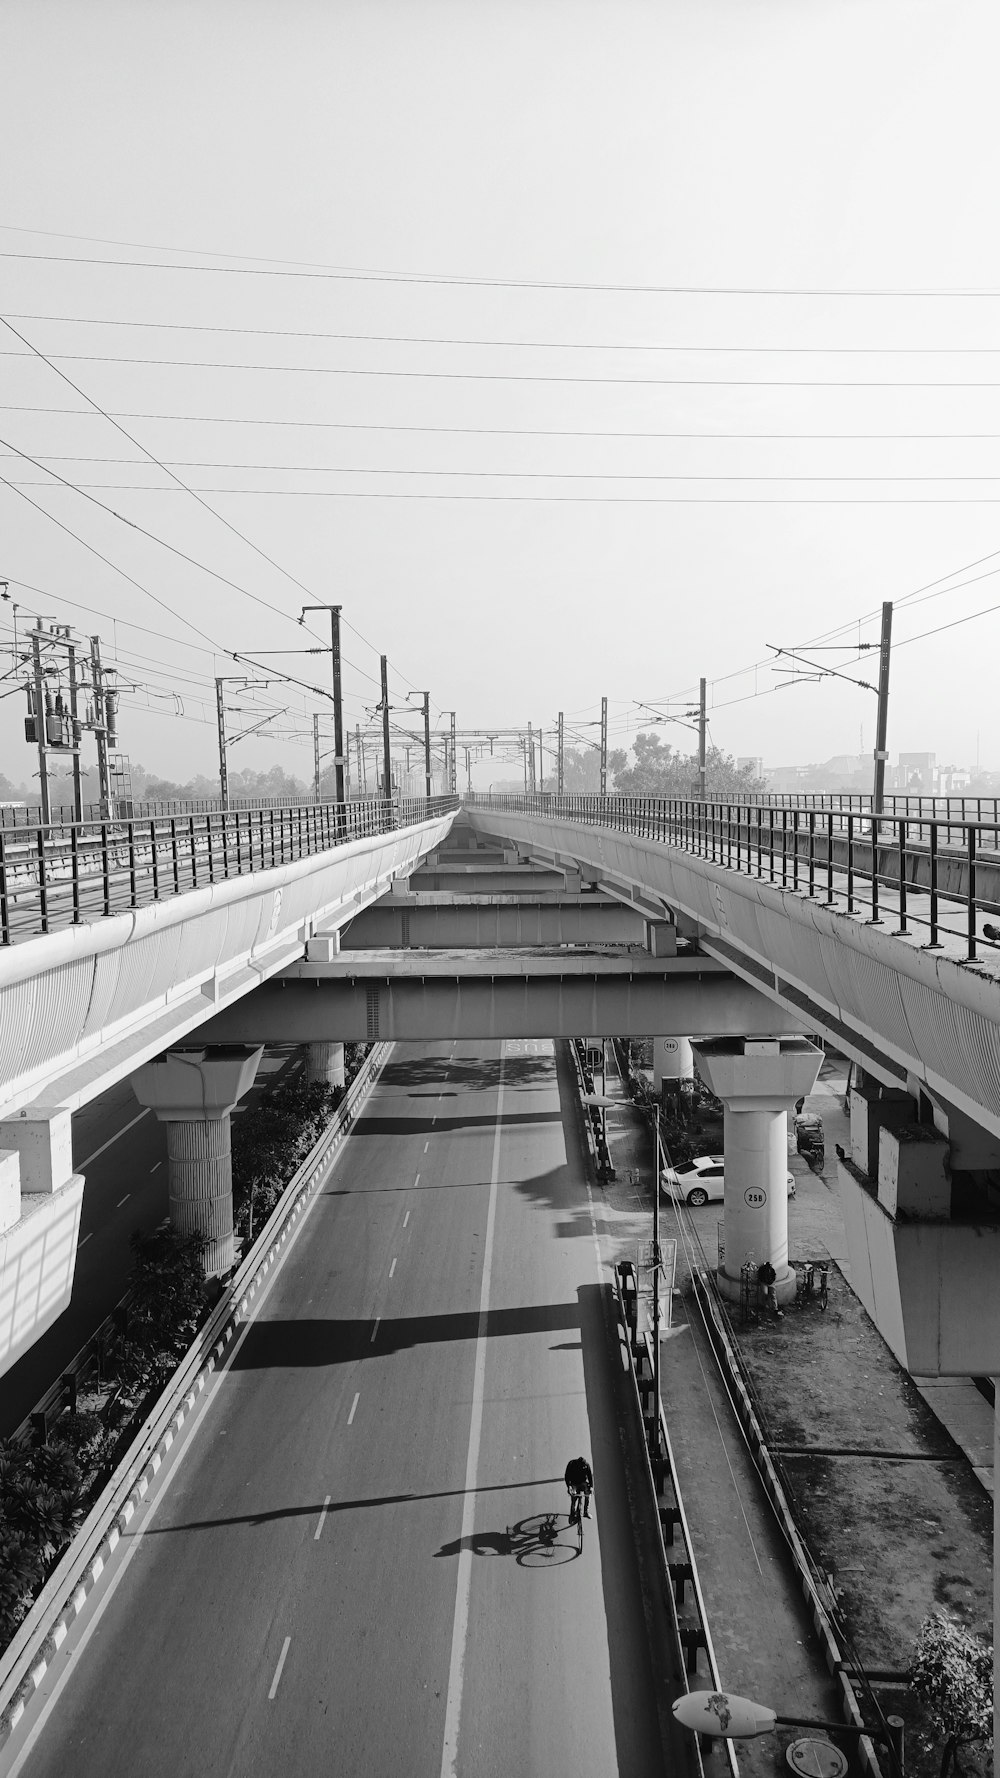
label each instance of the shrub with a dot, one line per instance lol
(952, 1674)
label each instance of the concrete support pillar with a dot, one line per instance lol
(40, 1203)
(193, 1093)
(758, 1081)
(325, 1062)
(673, 1064)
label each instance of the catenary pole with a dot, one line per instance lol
(702, 738)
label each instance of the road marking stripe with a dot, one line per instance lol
(416, 1182)
(84, 1238)
(158, 1164)
(277, 1671)
(456, 1672)
(374, 1330)
(111, 1139)
(392, 1268)
(317, 1534)
(406, 1219)
(434, 1120)
(427, 1144)
(123, 1200)
(350, 1416)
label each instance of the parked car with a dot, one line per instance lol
(702, 1180)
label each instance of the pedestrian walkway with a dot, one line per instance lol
(870, 1461)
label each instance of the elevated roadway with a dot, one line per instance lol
(342, 1569)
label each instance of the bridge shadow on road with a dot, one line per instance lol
(294, 1345)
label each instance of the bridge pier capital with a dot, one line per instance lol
(193, 1092)
(758, 1080)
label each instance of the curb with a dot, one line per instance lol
(24, 1664)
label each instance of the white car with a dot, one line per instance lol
(701, 1180)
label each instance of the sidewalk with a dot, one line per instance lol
(882, 1473)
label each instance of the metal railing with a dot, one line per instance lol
(68, 872)
(914, 805)
(940, 875)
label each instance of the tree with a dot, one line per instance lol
(952, 1674)
(582, 770)
(660, 770)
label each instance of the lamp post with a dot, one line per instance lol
(724, 1716)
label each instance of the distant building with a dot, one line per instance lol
(752, 762)
(917, 772)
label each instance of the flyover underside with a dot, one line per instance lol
(411, 1010)
(900, 1009)
(443, 920)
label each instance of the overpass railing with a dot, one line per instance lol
(939, 875)
(913, 804)
(68, 872)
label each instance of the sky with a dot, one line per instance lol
(576, 348)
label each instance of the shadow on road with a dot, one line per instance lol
(545, 1540)
(314, 1508)
(294, 1345)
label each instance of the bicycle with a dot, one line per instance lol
(577, 1497)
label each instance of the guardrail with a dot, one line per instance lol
(912, 869)
(23, 1665)
(678, 1571)
(65, 873)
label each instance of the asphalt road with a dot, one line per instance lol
(343, 1571)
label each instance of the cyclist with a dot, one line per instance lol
(579, 1483)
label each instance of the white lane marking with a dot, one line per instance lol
(84, 1239)
(427, 1144)
(354, 1407)
(123, 1200)
(317, 1534)
(277, 1671)
(434, 1120)
(111, 1139)
(158, 1164)
(416, 1182)
(374, 1330)
(406, 1219)
(456, 1672)
(392, 1268)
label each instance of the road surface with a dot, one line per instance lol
(343, 1572)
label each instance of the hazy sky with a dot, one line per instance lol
(647, 306)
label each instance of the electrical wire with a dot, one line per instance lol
(497, 376)
(529, 499)
(567, 475)
(510, 431)
(409, 339)
(370, 275)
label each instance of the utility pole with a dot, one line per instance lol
(468, 770)
(386, 755)
(40, 723)
(878, 797)
(427, 745)
(531, 760)
(76, 728)
(100, 725)
(220, 714)
(338, 705)
(560, 757)
(604, 746)
(541, 765)
(702, 734)
(453, 761)
(357, 744)
(316, 756)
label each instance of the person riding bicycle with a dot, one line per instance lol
(579, 1482)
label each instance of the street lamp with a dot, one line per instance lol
(724, 1716)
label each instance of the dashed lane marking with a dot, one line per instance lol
(406, 1219)
(158, 1164)
(392, 1268)
(317, 1534)
(123, 1200)
(427, 1144)
(416, 1182)
(80, 1165)
(354, 1409)
(276, 1681)
(374, 1330)
(84, 1239)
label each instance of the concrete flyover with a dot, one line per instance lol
(909, 1016)
(82, 1007)
(415, 995)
